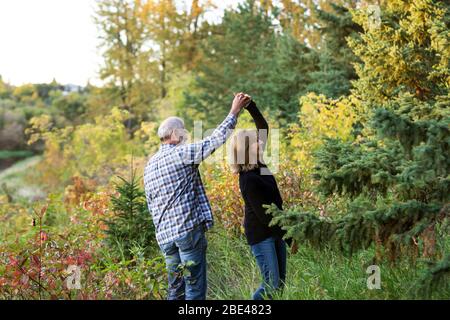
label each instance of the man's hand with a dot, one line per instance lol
(241, 100)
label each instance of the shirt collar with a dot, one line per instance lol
(167, 146)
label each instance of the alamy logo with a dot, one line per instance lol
(374, 280)
(73, 281)
(374, 15)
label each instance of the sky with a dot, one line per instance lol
(42, 40)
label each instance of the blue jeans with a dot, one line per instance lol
(270, 255)
(186, 266)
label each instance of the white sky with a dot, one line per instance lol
(45, 39)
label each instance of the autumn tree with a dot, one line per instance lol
(162, 21)
(193, 30)
(145, 42)
(127, 66)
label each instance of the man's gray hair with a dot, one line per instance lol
(167, 127)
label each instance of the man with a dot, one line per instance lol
(177, 201)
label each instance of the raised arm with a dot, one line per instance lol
(195, 153)
(260, 122)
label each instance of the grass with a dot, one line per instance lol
(13, 180)
(6, 154)
(232, 270)
(311, 274)
(19, 168)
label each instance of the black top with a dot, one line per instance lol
(258, 190)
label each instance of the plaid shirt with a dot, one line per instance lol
(174, 190)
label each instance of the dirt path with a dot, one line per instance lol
(12, 180)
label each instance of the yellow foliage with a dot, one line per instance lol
(37, 127)
(321, 118)
(147, 137)
(92, 150)
(26, 90)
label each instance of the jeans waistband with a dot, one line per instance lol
(201, 226)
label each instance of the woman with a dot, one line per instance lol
(258, 188)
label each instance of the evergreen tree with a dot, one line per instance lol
(287, 78)
(237, 49)
(131, 225)
(436, 277)
(302, 17)
(336, 59)
(396, 175)
(245, 53)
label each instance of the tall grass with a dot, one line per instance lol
(311, 274)
(232, 270)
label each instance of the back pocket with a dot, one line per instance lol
(186, 242)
